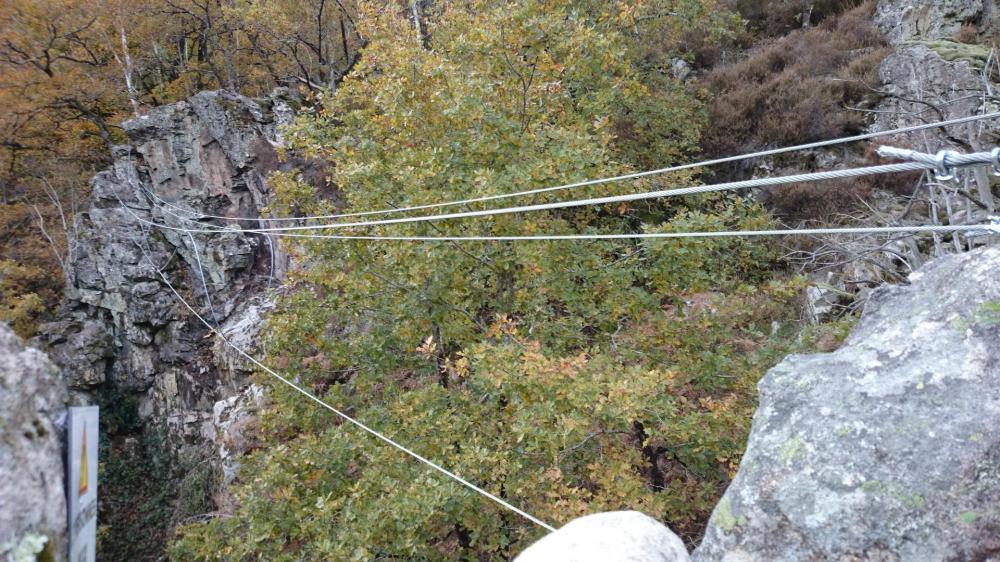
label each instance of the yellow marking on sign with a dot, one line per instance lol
(84, 478)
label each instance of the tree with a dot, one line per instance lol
(71, 70)
(565, 377)
(54, 133)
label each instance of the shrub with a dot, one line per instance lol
(797, 89)
(30, 276)
(21, 304)
(773, 18)
(824, 202)
(566, 377)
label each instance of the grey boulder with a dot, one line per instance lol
(32, 498)
(888, 448)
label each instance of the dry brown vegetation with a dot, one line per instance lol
(825, 202)
(802, 87)
(968, 33)
(830, 201)
(773, 18)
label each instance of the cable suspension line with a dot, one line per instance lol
(979, 158)
(988, 228)
(338, 412)
(992, 227)
(636, 175)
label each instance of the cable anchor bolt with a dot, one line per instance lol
(944, 172)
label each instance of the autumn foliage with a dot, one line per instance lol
(72, 70)
(565, 377)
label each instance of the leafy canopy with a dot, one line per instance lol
(565, 377)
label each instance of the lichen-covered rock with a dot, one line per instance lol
(122, 325)
(615, 536)
(32, 497)
(888, 448)
(931, 76)
(231, 419)
(917, 75)
(935, 81)
(84, 343)
(909, 20)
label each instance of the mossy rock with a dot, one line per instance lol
(952, 51)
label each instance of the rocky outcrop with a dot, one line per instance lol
(122, 325)
(616, 536)
(935, 81)
(931, 76)
(934, 72)
(913, 20)
(234, 419)
(32, 497)
(888, 448)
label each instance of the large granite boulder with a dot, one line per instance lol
(615, 536)
(888, 448)
(32, 497)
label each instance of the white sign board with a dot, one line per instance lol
(82, 484)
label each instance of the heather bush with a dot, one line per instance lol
(830, 201)
(802, 87)
(772, 18)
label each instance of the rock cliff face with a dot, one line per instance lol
(888, 448)
(933, 76)
(122, 326)
(32, 497)
(939, 68)
(907, 20)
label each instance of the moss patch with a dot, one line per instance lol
(967, 517)
(724, 518)
(986, 316)
(791, 450)
(953, 51)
